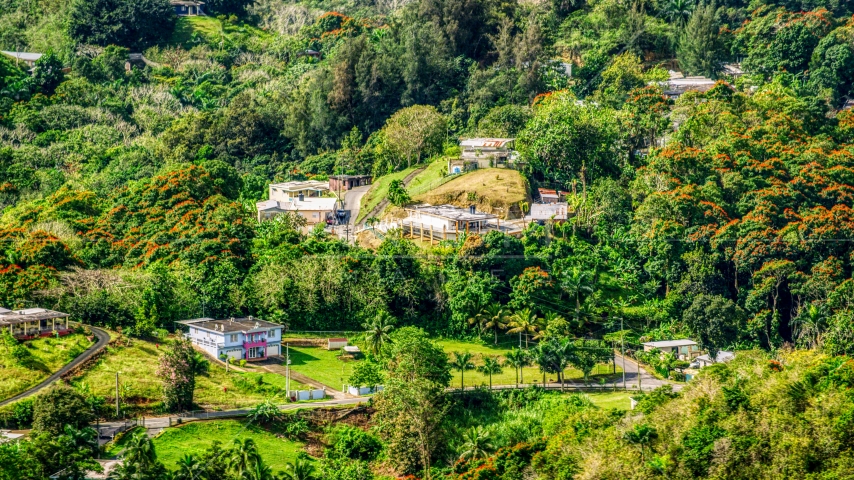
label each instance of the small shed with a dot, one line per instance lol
(187, 8)
(336, 343)
(721, 357)
(27, 58)
(346, 182)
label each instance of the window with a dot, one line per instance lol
(232, 338)
(315, 215)
(272, 334)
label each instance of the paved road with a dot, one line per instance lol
(648, 382)
(353, 200)
(103, 339)
(108, 429)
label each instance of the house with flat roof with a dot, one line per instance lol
(705, 360)
(306, 188)
(314, 209)
(305, 198)
(685, 349)
(247, 339)
(29, 323)
(446, 221)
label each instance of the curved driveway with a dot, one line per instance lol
(103, 339)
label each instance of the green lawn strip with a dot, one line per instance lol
(379, 190)
(322, 365)
(49, 354)
(139, 385)
(195, 437)
(606, 400)
(116, 446)
(432, 177)
(508, 375)
(212, 30)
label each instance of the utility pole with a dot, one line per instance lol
(623, 350)
(288, 369)
(117, 394)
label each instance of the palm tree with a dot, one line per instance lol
(491, 366)
(577, 281)
(679, 11)
(300, 469)
(377, 332)
(461, 363)
(552, 324)
(140, 451)
(809, 326)
(189, 468)
(476, 444)
(260, 471)
(492, 318)
(518, 359)
(641, 435)
(524, 321)
(243, 456)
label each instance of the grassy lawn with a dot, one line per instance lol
(379, 190)
(114, 448)
(618, 400)
(432, 177)
(195, 437)
(508, 375)
(48, 355)
(321, 365)
(212, 31)
(140, 387)
(494, 190)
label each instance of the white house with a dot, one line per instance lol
(541, 212)
(303, 198)
(239, 338)
(445, 221)
(686, 349)
(483, 153)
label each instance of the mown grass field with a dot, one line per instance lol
(493, 190)
(508, 375)
(47, 356)
(325, 366)
(322, 365)
(190, 30)
(195, 437)
(617, 400)
(139, 386)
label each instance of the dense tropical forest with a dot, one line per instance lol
(128, 188)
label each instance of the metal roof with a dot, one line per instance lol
(721, 357)
(486, 142)
(15, 317)
(301, 185)
(230, 325)
(671, 343)
(25, 56)
(452, 213)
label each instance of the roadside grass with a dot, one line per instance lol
(493, 190)
(530, 374)
(379, 191)
(619, 400)
(48, 355)
(322, 365)
(195, 437)
(140, 387)
(116, 446)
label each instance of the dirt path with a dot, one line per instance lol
(103, 339)
(384, 202)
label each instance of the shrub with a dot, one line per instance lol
(353, 443)
(58, 407)
(654, 399)
(21, 354)
(22, 412)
